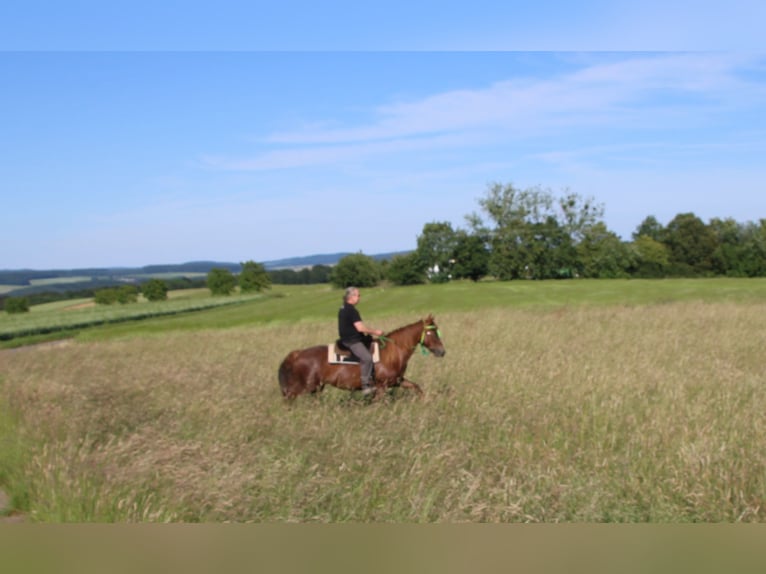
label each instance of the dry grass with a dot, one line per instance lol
(617, 414)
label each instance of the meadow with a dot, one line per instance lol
(571, 401)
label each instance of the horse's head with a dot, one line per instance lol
(431, 338)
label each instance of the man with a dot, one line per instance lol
(353, 332)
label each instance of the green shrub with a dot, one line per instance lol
(17, 305)
(221, 281)
(155, 290)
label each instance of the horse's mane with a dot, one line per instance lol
(418, 323)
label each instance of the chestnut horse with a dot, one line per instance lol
(308, 370)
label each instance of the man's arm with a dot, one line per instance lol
(362, 328)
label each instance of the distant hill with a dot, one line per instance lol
(321, 259)
(27, 281)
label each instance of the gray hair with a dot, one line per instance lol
(349, 291)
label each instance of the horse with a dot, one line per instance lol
(309, 370)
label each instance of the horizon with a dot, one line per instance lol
(282, 260)
(121, 148)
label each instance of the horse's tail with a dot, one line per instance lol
(286, 372)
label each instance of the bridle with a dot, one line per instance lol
(422, 342)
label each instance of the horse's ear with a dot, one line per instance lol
(430, 318)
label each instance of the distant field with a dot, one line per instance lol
(572, 401)
(65, 316)
(59, 280)
(61, 305)
(146, 276)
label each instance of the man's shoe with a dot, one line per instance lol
(367, 391)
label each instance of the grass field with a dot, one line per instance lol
(65, 318)
(576, 401)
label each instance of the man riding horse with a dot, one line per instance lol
(356, 336)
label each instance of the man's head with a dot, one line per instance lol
(351, 295)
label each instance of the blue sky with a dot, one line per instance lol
(148, 133)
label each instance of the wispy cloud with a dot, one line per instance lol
(635, 91)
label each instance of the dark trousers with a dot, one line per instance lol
(365, 358)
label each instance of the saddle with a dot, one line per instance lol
(338, 353)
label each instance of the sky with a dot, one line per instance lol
(139, 133)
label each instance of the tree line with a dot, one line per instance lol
(534, 234)
(516, 234)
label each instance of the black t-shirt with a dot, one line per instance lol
(347, 316)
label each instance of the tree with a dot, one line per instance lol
(253, 277)
(740, 249)
(602, 254)
(221, 281)
(155, 290)
(113, 295)
(531, 233)
(13, 305)
(436, 250)
(106, 296)
(471, 257)
(356, 269)
(407, 270)
(579, 215)
(650, 227)
(550, 253)
(320, 274)
(651, 258)
(691, 244)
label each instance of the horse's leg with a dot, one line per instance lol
(412, 385)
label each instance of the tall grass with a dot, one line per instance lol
(568, 413)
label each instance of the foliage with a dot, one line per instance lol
(117, 295)
(651, 258)
(155, 290)
(471, 257)
(602, 254)
(356, 269)
(253, 278)
(533, 235)
(407, 269)
(651, 228)
(741, 248)
(436, 250)
(691, 245)
(221, 281)
(16, 305)
(305, 276)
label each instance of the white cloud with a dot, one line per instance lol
(616, 93)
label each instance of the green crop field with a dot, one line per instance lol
(59, 280)
(571, 401)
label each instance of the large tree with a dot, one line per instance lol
(253, 277)
(16, 305)
(533, 234)
(221, 281)
(602, 254)
(471, 259)
(691, 244)
(436, 249)
(357, 269)
(406, 269)
(155, 290)
(651, 258)
(650, 227)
